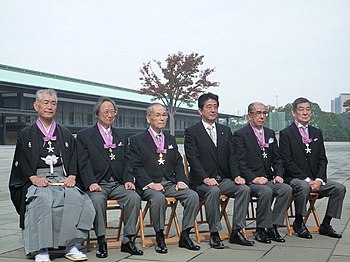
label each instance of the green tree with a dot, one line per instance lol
(332, 125)
(181, 82)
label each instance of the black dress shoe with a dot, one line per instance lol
(327, 230)
(131, 248)
(273, 234)
(215, 241)
(186, 242)
(160, 245)
(301, 230)
(239, 238)
(102, 251)
(261, 236)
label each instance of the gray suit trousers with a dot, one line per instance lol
(211, 194)
(129, 200)
(265, 194)
(188, 198)
(334, 190)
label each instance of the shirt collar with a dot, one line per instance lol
(154, 132)
(106, 130)
(300, 125)
(206, 125)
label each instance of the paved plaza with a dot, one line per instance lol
(295, 249)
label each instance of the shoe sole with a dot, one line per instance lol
(69, 257)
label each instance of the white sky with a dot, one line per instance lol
(260, 48)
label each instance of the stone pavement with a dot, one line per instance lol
(318, 249)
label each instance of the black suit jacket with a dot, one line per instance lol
(26, 159)
(145, 163)
(251, 162)
(297, 163)
(205, 159)
(94, 161)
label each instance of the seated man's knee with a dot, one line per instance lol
(214, 191)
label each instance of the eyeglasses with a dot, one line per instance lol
(107, 112)
(260, 113)
(164, 115)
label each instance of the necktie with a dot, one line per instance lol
(159, 138)
(212, 134)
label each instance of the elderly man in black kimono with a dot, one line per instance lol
(53, 211)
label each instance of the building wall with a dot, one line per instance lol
(74, 111)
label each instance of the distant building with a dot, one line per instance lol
(277, 121)
(337, 103)
(76, 98)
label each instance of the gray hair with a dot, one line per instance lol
(252, 105)
(50, 92)
(150, 107)
(96, 109)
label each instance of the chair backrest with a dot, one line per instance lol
(186, 165)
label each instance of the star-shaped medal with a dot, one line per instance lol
(308, 149)
(50, 149)
(264, 154)
(161, 160)
(112, 156)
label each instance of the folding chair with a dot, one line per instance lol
(150, 238)
(290, 213)
(113, 240)
(203, 234)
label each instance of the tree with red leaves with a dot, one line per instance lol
(347, 105)
(182, 82)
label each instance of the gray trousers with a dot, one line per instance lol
(56, 215)
(211, 194)
(188, 198)
(334, 190)
(129, 200)
(265, 194)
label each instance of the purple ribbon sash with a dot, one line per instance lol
(260, 137)
(47, 135)
(107, 139)
(160, 146)
(305, 135)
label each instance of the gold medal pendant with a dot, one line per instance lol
(161, 160)
(50, 148)
(307, 149)
(112, 156)
(264, 154)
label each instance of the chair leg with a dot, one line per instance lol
(312, 209)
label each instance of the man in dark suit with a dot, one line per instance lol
(214, 171)
(305, 162)
(104, 166)
(159, 173)
(261, 166)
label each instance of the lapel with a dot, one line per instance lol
(147, 138)
(97, 139)
(312, 135)
(207, 140)
(116, 138)
(297, 136)
(254, 140)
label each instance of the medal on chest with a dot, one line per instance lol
(307, 149)
(161, 161)
(111, 155)
(50, 148)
